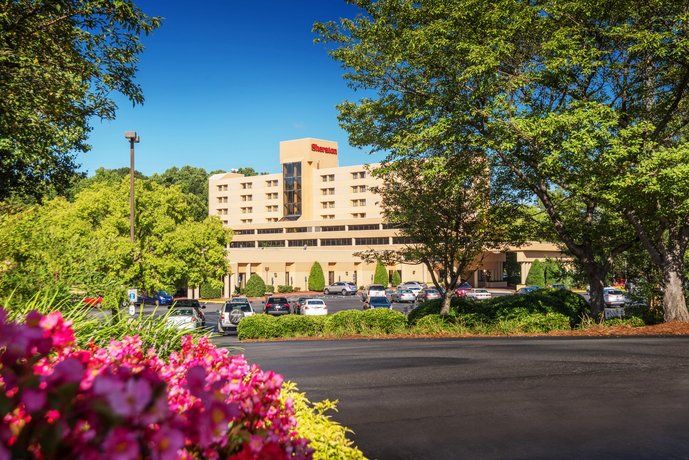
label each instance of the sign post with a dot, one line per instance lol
(131, 295)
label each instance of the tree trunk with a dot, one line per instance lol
(596, 284)
(447, 301)
(674, 301)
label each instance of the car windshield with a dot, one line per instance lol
(464, 285)
(315, 302)
(432, 291)
(238, 306)
(379, 300)
(239, 300)
(404, 291)
(481, 291)
(613, 292)
(182, 312)
(280, 300)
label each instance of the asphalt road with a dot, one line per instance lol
(498, 398)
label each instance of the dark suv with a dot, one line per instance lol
(276, 306)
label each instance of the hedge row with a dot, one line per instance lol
(372, 322)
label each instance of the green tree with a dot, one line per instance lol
(470, 75)
(380, 275)
(192, 181)
(255, 287)
(396, 278)
(60, 63)
(536, 274)
(86, 243)
(248, 171)
(316, 278)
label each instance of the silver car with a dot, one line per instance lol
(340, 287)
(613, 297)
(402, 295)
(232, 313)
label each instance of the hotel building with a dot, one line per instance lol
(315, 210)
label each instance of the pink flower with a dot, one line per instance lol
(165, 443)
(121, 444)
(33, 400)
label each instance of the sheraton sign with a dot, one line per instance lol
(319, 148)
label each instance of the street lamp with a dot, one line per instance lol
(133, 138)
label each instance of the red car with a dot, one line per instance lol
(93, 301)
(462, 289)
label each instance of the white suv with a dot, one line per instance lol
(232, 313)
(341, 287)
(373, 290)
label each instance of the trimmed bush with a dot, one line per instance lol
(436, 324)
(316, 278)
(396, 278)
(255, 287)
(632, 321)
(258, 327)
(269, 288)
(345, 322)
(381, 275)
(383, 321)
(529, 322)
(282, 289)
(300, 326)
(208, 291)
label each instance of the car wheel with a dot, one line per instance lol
(344, 292)
(326, 292)
(220, 329)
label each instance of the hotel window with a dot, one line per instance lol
(271, 183)
(297, 243)
(246, 197)
(243, 244)
(327, 216)
(364, 227)
(328, 177)
(222, 211)
(291, 188)
(247, 210)
(297, 229)
(222, 188)
(222, 199)
(225, 222)
(272, 196)
(328, 191)
(271, 219)
(358, 215)
(336, 242)
(246, 221)
(271, 244)
(246, 185)
(327, 204)
(372, 241)
(356, 203)
(331, 228)
(358, 188)
(402, 240)
(272, 208)
(265, 231)
(359, 175)
(244, 232)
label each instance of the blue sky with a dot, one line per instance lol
(225, 82)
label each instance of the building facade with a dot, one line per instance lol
(317, 211)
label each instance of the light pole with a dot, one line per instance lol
(133, 138)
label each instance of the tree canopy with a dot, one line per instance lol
(60, 63)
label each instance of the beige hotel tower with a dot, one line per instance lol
(315, 210)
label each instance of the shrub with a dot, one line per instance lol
(299, 326)
(383, 321)
(258, 327)
(122, 401)
(255, 287)
(396, 278)
(269, 288)
(381, 275)
(316, 278)
(436, 324)
(632, 321)
(529, 322)
(210, 291)
(535, 276)
(327, 437)
(345, 322)
(282, 289)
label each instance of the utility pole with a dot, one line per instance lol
(133, 138)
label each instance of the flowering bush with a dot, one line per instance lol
(122, 402)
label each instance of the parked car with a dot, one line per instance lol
(528, 289)
(428, 294)
(377, 302)
(402, 295)
(276, 306)
(478, 294)
(232, 313)
(93, 301)
(373, 290)
(298, 304)
(613, 297)
(462, 289)
(417, 284)
(186, 314)
(158, 298)
(340, 287)
(314, 307)
(559, 286)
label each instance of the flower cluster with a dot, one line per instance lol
(123, 402)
